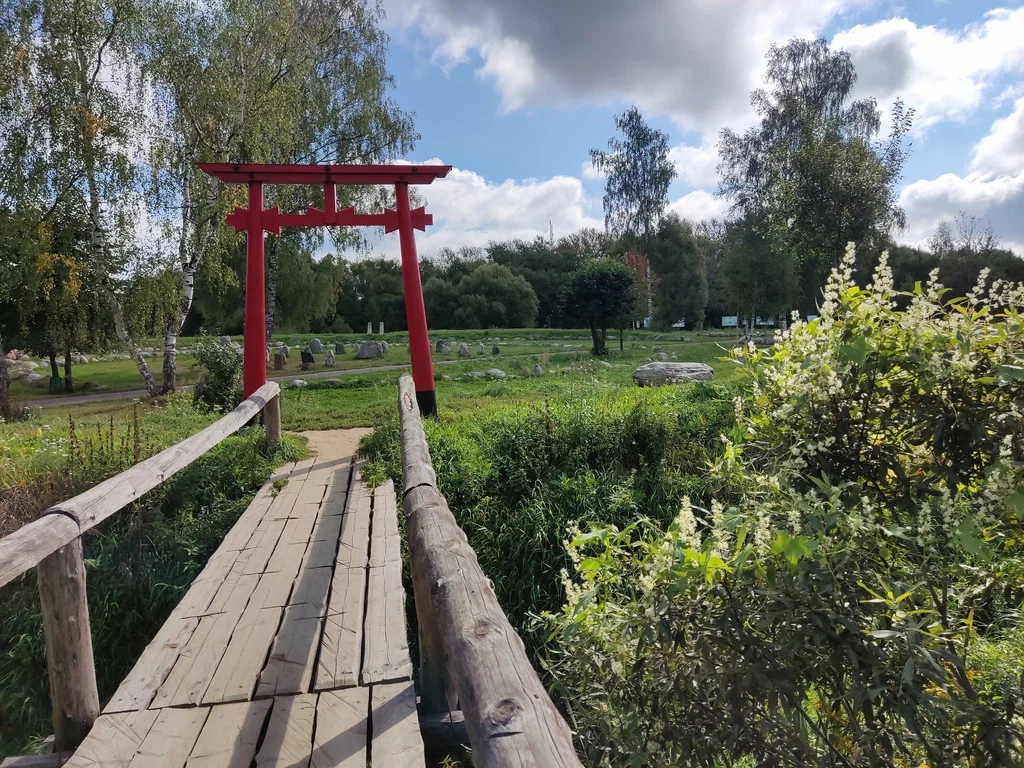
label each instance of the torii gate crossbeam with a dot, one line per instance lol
(255, 220)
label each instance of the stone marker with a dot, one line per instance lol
(384, 347)
(660, 356)
(307, 359)
(329, 359)
(285, 350)
(268, 354)
(369, 329)
(369, 350)
(604, 363)
(483, 349)
(437, 347)
(298, 383)
(445, 349)
(381, 331)
(339, 348)
(316, 346)
(495, 350)
(660, 374)
(221, 339)
(757, 341)
(279, 359)
(463, 350)
(496, 373)
(537, 370)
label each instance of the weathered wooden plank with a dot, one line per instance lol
(354, 543)
(323, 545)
(113, 740)
(385, 541)
(238, 671)
(56, 527)
(69, 659)
(230, 736)
(341, 729)
(51, 760)
(138, 689)
(342, 641)
(170, 740)
(289, 668)
(386, 655)
(396, 732)
(289, 738)
(266, 541)
(509, 716)
(309, 595)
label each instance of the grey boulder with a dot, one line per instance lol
(661, 373)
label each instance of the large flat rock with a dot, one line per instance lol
(661, 373)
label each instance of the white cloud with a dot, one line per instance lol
(694, 60)
(943, 74)
(993, 190)
(588, 171)
(700, 204)
(470, 210)
(696, 166)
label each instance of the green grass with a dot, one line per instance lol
(122, 375)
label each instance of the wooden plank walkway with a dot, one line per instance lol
(290, 649)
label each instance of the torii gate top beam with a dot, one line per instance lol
(237, 173)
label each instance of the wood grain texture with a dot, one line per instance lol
(289, 737)
(396, 732)
(69, 660)
(138, 689)
(510, 718)
(272, 420)
(170, 740)
(230, 736)
(289, 669)
(113, 740)
(341, 729)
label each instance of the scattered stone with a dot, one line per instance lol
(285, 350)
(446, 377)
(660, 374)
(12, 355)
(381, 330)
(604, 364)
(329, 359)
(439, 345)
(496, 373)
(37, 380)
(483, 349)
(339, 348)
(298, 384)
(661, 356)
(331, 382)
(646, 360)
(307, 359)
(369, 350)
(384, 346)
(477, 374)
(757, 341)
(675, 357)
(316, 346)
(17, 373)
(445, 349)
(537, 370)
(222, 339)
(369, 329)
(100, 388)
(234, 345)
(463, 350)
(279, 359)
(495, 350)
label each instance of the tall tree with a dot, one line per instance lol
(546, 271)
(638, 177)
(600, 295)
(317, 91)
(761, 280)
(811, 172)
(678, 260)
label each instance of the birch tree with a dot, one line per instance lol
(287, 81)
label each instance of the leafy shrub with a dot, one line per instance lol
(220, 388)
(855, 600)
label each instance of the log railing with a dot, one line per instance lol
(470, 657)
(54, 543)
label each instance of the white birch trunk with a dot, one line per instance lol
(133, 349)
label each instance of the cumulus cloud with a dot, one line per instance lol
(696, 166)
(943, 74)
(470, 210)
(694, 60)
(993, 190)
(700, 204)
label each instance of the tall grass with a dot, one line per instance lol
(519, 477)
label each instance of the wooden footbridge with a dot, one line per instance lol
(290, 650)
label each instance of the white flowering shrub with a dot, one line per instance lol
(853, 598)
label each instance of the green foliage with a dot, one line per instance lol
(677, 259)
(600, 295)
(518, 477)
(547, 269)
(844, 598)
(490, 296)
(759, 281)
(220, 387)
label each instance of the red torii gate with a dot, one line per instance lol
(255, 220)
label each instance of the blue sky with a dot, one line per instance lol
(514, 94)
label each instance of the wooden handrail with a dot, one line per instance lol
(54, 543)
(64, 522)
(469, 652)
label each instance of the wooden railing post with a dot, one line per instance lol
(69, 660)
(272, 419)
